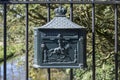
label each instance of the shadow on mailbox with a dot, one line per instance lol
(60, 43)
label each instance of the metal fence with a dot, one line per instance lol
(71, 2)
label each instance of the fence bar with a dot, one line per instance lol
(5, 40)
(71, 18)
(71, 12)
(116, 42)
(48, 12)
(27, 70)
(48, 71)
(59, 2)
(71, 74)
(93, 41)
(48, 19)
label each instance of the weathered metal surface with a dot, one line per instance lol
(61, 23)
(60, 43)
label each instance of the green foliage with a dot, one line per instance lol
(9, 54)
(12, 50)
(106, 72)
(104, 29)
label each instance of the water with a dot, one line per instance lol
(15, 69)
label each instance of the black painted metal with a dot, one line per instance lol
(71, 74)
(71, 12)
(48, 12)
(48, 71)
(5, 40)
(48, 19)
(71, 18)
(27, 44)
(93, 41)
(59, 2)
(116, 42)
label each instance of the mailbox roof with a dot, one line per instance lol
(60, 23)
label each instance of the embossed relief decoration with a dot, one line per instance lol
(64, 51)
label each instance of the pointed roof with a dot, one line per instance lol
(60, 21)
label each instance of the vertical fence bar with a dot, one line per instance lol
(71, 18)
(71, 74)
(93, 41)
(48, 19)
(26, 35)
(48, 71)
(71, 12)
(5, 39)
(116, 42)
(48, 12)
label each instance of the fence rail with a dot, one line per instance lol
(60, 1)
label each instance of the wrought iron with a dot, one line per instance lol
(60, 1)
(5, 40)
(116, 42)
(71, 18)
(48, 19)
(93, 41)
(27, 44)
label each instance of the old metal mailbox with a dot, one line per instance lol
(60, 43)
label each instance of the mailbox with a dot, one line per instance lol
(60, 43)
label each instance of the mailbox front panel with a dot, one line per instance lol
(60, 48)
